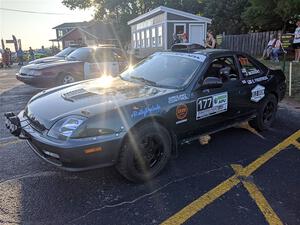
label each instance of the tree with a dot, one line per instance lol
(271, 14)
(119, 12)
(226, 15)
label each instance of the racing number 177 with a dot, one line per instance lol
(204, 103)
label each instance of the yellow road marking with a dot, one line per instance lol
(259, 198)
(296, 144)
(10, 143)
(200, 203)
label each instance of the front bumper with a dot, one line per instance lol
(70, 154)
(37, 81)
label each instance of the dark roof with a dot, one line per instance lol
(72, 25)
(96, 30)
(209, 51)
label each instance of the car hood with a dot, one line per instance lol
(88, 98)
(46, 60)
(50, 64)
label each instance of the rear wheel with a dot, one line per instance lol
(145, 152)
(266, 114)
(66, 79)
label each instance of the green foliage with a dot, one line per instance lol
(230, 16)
(119, 12)
(271, 14)
(226, 15)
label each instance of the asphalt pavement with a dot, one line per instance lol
(238, 178)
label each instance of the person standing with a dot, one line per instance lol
(184, 38)
(31, 54)
(210, 40)
(20, 55)
(175, 39)
(296, 42)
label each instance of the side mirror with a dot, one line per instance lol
(211, 82)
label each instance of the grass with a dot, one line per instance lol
(295, 76)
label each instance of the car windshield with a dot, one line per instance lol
(165, 69)
(65, 52)
(80, 54)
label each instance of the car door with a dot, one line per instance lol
(254, 79)
(102, 62)
(107, 64)
(220, 105)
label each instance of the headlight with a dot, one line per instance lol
(65, 128)
(34, 73)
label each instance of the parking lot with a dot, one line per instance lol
(240, 177)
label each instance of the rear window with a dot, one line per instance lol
(248, 68)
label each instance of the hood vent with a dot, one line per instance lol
(77, 95)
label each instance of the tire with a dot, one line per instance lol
(266, 114)
(66, 79)
(138, 162)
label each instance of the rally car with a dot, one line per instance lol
(137, 120)
(83, 63)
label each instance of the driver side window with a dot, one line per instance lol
(223, 68)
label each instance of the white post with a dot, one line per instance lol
(290, 80)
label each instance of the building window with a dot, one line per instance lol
(60, 33)
(134, 40)
(159, 37)
(138, 43)
(179, 28)
(147, 38)
(153, 37)
(143, 39)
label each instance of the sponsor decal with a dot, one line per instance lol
(145, 111)
(181, 112)
(258, 93)
(177, 98)
(198, 57)
(255, 80)
(211, 105)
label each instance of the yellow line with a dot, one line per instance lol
(262, 204)
(201, 202)
(252, 167)
(10, 143)
(259, 199)
(197, 205)
(297, 144)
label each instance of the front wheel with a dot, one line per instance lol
(66, 79)
(266, 114)
(145, 152)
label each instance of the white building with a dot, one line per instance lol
(153, 31)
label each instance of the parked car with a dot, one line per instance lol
(186, 47)
(59, 56)
(136, 121)
(83, 63)
(1, 62)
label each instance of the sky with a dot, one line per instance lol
(35, 30)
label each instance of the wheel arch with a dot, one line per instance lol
(160, 120)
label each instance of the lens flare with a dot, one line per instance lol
(105, 81)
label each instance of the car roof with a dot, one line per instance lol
(185, 44)
(207, 52)
(101, 47)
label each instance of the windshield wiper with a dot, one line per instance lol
(142, 79)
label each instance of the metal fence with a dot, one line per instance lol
(252, 43)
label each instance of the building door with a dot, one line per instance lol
(197, 34)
